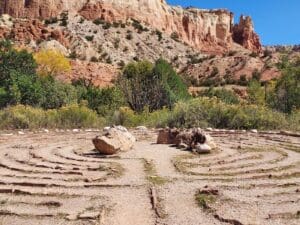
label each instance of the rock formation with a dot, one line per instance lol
(207, 30)
(116, 139)
(98, 74)
(243, 34)
(27, 30)
(193, 139)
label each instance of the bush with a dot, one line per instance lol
(94, 59)
(51, 20)
(243, 80)
(129, 36)
(213, 112)
(104, 101)
(98, 21)
(106, 25)
(127, 117)
(227, 96)
(26, 117)
(159, 35)
(22, 117)
(287, 88)
(294, 120)
(138, 26)
(175, 36)
(89, 38)
(74, 116)
(56, 94)
(256, 93)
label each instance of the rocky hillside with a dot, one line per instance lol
(97, 33)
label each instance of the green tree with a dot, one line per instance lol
(256, 93)
(287, 90)
(56, 94)
(152, 86)
(172, 82)
(17, 69)
(103, 100)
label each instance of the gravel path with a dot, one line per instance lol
(57, 178)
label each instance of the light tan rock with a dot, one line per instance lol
(203, 149)
(210, 141)
(115, 140)
(54, 45)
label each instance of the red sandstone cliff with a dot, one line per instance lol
(207, 30)
(243, 34)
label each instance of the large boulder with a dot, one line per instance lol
(115, 139)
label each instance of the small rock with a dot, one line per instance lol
(141, 128)
(21, 133)
(71, 217)
(46, 130)
(10, 134)
(75, 130)
(254, 131)
(89, 215)
(121, 128)
(106, 129)
(209, 129)
(203, 148)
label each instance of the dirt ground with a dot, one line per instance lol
(57, 178)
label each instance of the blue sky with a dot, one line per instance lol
(276, 21)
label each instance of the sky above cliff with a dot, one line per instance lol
(276, 21)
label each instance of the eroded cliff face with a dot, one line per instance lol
(207, 30)
(243, 34)
(39, 8)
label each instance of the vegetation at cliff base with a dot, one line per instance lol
(146, 93)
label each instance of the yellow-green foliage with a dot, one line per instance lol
(127, 117)
(294, 120)
(210, 112)
(198, 112)
(51, 62)
(215, 113)
(26, 117)
(78, 116)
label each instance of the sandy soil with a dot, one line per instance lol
(57, 178)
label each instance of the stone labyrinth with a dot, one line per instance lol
(57, 178)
